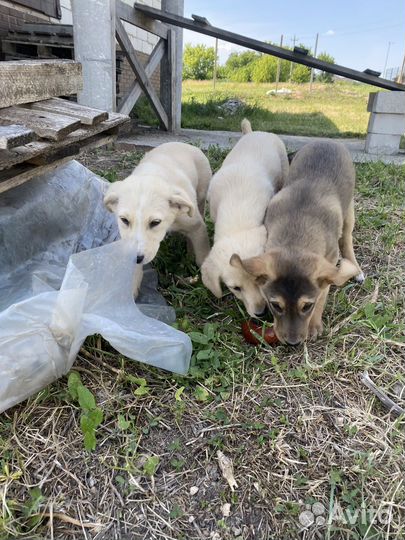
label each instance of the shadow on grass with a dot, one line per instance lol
(210, 116)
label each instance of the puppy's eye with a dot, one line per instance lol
(237, 289)
(154, 223)
(307, 307)
(276, 307)
(125, 221)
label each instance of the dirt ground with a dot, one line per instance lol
(315, 454)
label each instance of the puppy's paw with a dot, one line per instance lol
(315, 330)
(360, 278)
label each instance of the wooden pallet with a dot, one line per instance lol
(50, 133)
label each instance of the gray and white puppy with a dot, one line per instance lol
(307, 222)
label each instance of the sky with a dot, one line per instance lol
(357, 33)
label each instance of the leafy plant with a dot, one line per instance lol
(151, 465)
(91, 416)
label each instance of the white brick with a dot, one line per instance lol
(377, 143)
(387, 102)
(389, 124)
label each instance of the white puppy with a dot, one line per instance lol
(166, 192)
(238, 195)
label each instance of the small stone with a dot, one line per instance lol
(306, 518)
(340, 421)
(236, 531)
(318, 509)
(193, 490)
(226, 510)
(191, 519)
(320, 521)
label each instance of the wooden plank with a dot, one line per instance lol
(87, 115)
(139, 71)
(10, 158)
(135, 91)
(71, 149)
(128, 14)
(44, 124)
(25, 81)
(14, 135)
(261, 46)
(24, 172)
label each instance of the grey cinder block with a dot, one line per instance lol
(378, 143)
(387, 102)
(389, 124)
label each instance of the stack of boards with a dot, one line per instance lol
(40, 131)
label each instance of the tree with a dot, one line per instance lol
(238, 67)
(301, 73)
(324, 76)
(198, 62)
(264, 69)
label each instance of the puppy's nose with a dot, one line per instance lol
(292, 342)
(139, 259)
(258, 315)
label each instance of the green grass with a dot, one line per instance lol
(330, 110)
(298, 424)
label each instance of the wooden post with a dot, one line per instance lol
(312, 69)
(279, 65)
(292, 64)
(94, 42)
(170, 94)
(214, 75)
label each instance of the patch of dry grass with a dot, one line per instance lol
(298, 424)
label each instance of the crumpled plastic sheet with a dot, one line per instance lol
(63, 278)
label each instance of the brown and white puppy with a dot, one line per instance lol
(307, 222)
(166, 192)
(238, 197)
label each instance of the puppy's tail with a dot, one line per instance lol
(246, 126)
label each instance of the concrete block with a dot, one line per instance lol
(378, 143)
(389, 124)
(387, 102)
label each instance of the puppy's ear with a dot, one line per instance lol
(181, 200)
(255, 266)
(338, 275)
(211, 277)
(111, 198)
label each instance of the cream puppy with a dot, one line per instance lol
(238, 196)
(166, 192)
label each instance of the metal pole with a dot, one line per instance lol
(279, 65)
(386, 57)
(312, 69)
(214, 77)
(292, 65)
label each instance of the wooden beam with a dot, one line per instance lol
(13, 135)
(44, 124)
(135, 91)
(139, 71)
(261, 46)
(25, 81)
(168, 79)
(87, 116)
(128, 14)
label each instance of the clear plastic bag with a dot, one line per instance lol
(41, 328)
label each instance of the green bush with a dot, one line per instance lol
(242, 74)
(301, 74)
(324, 76)
(264, 69)
(198, 62)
